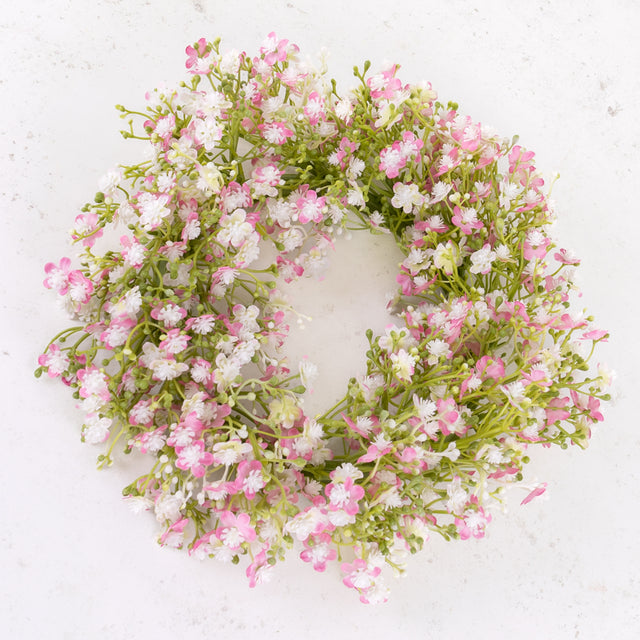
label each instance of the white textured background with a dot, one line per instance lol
(76, 564)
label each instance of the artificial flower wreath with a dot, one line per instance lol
(254, 165)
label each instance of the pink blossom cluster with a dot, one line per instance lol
(176, 352)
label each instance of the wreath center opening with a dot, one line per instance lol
(336, 309)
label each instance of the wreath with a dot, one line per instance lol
(255, 164)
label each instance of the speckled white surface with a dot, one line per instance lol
(76, 564)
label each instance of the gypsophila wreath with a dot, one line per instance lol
(255, 164)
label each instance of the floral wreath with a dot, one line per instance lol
(255, 165)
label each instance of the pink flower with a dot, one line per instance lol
(595, 334)
(489, 367)
(380, 447)
(384, 85)
(449, 418)
(235, 196)
(411, 145)
(538, 491)
(93, 382)
(310, 207)
(275, 50)
(467, 134)
(565, 257)
(175, 341)
(473, 522)
(235, 530)
(54, 360)
(392, 160)
(536, 251)
(194, 458)
(169, 314)
(151, 441)
(344, 496)
(86, 227)
(259, 570)
(275, 132)
(194, 54)
(314, 108)
(80, 287)
(537, 376)
(359, 427)
(360, 576)
(117, 332)
(186, 432)
(249, 479)
(58, 276)
(588, 404)
(318, 552)
(556, 411)
(174, 535)
(266, 179)
(345, 151)
(449, 161)
(466, 219)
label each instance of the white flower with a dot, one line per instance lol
(515, 392)
(355, 198)
(457, 497)
(344, 109)
(168, 506)
(364, 424)
(508, 192)
(502, 252)
(281, 211)
(249, 252)
(376, 219)
(415, 261)
(132, 301)
(606, 377)
(482, 260)
(439, 192)
(355, 168)
(96, 429)
(344, 471)
(138, 504)
(426, 408)
(369, 385)
(305, 523)
(170, 315)
(396, 337)
(234, 229)
(292, 238)
(406, 196)
(227, 370)
(437, 349)
(203, 325)
(168, 369)
(308, 373)
(208, 132)
(110, 181)
(403, 364)
(447, 257)
(153, 210)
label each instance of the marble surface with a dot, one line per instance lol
(76, 563)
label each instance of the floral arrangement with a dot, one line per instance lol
(255, 164)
